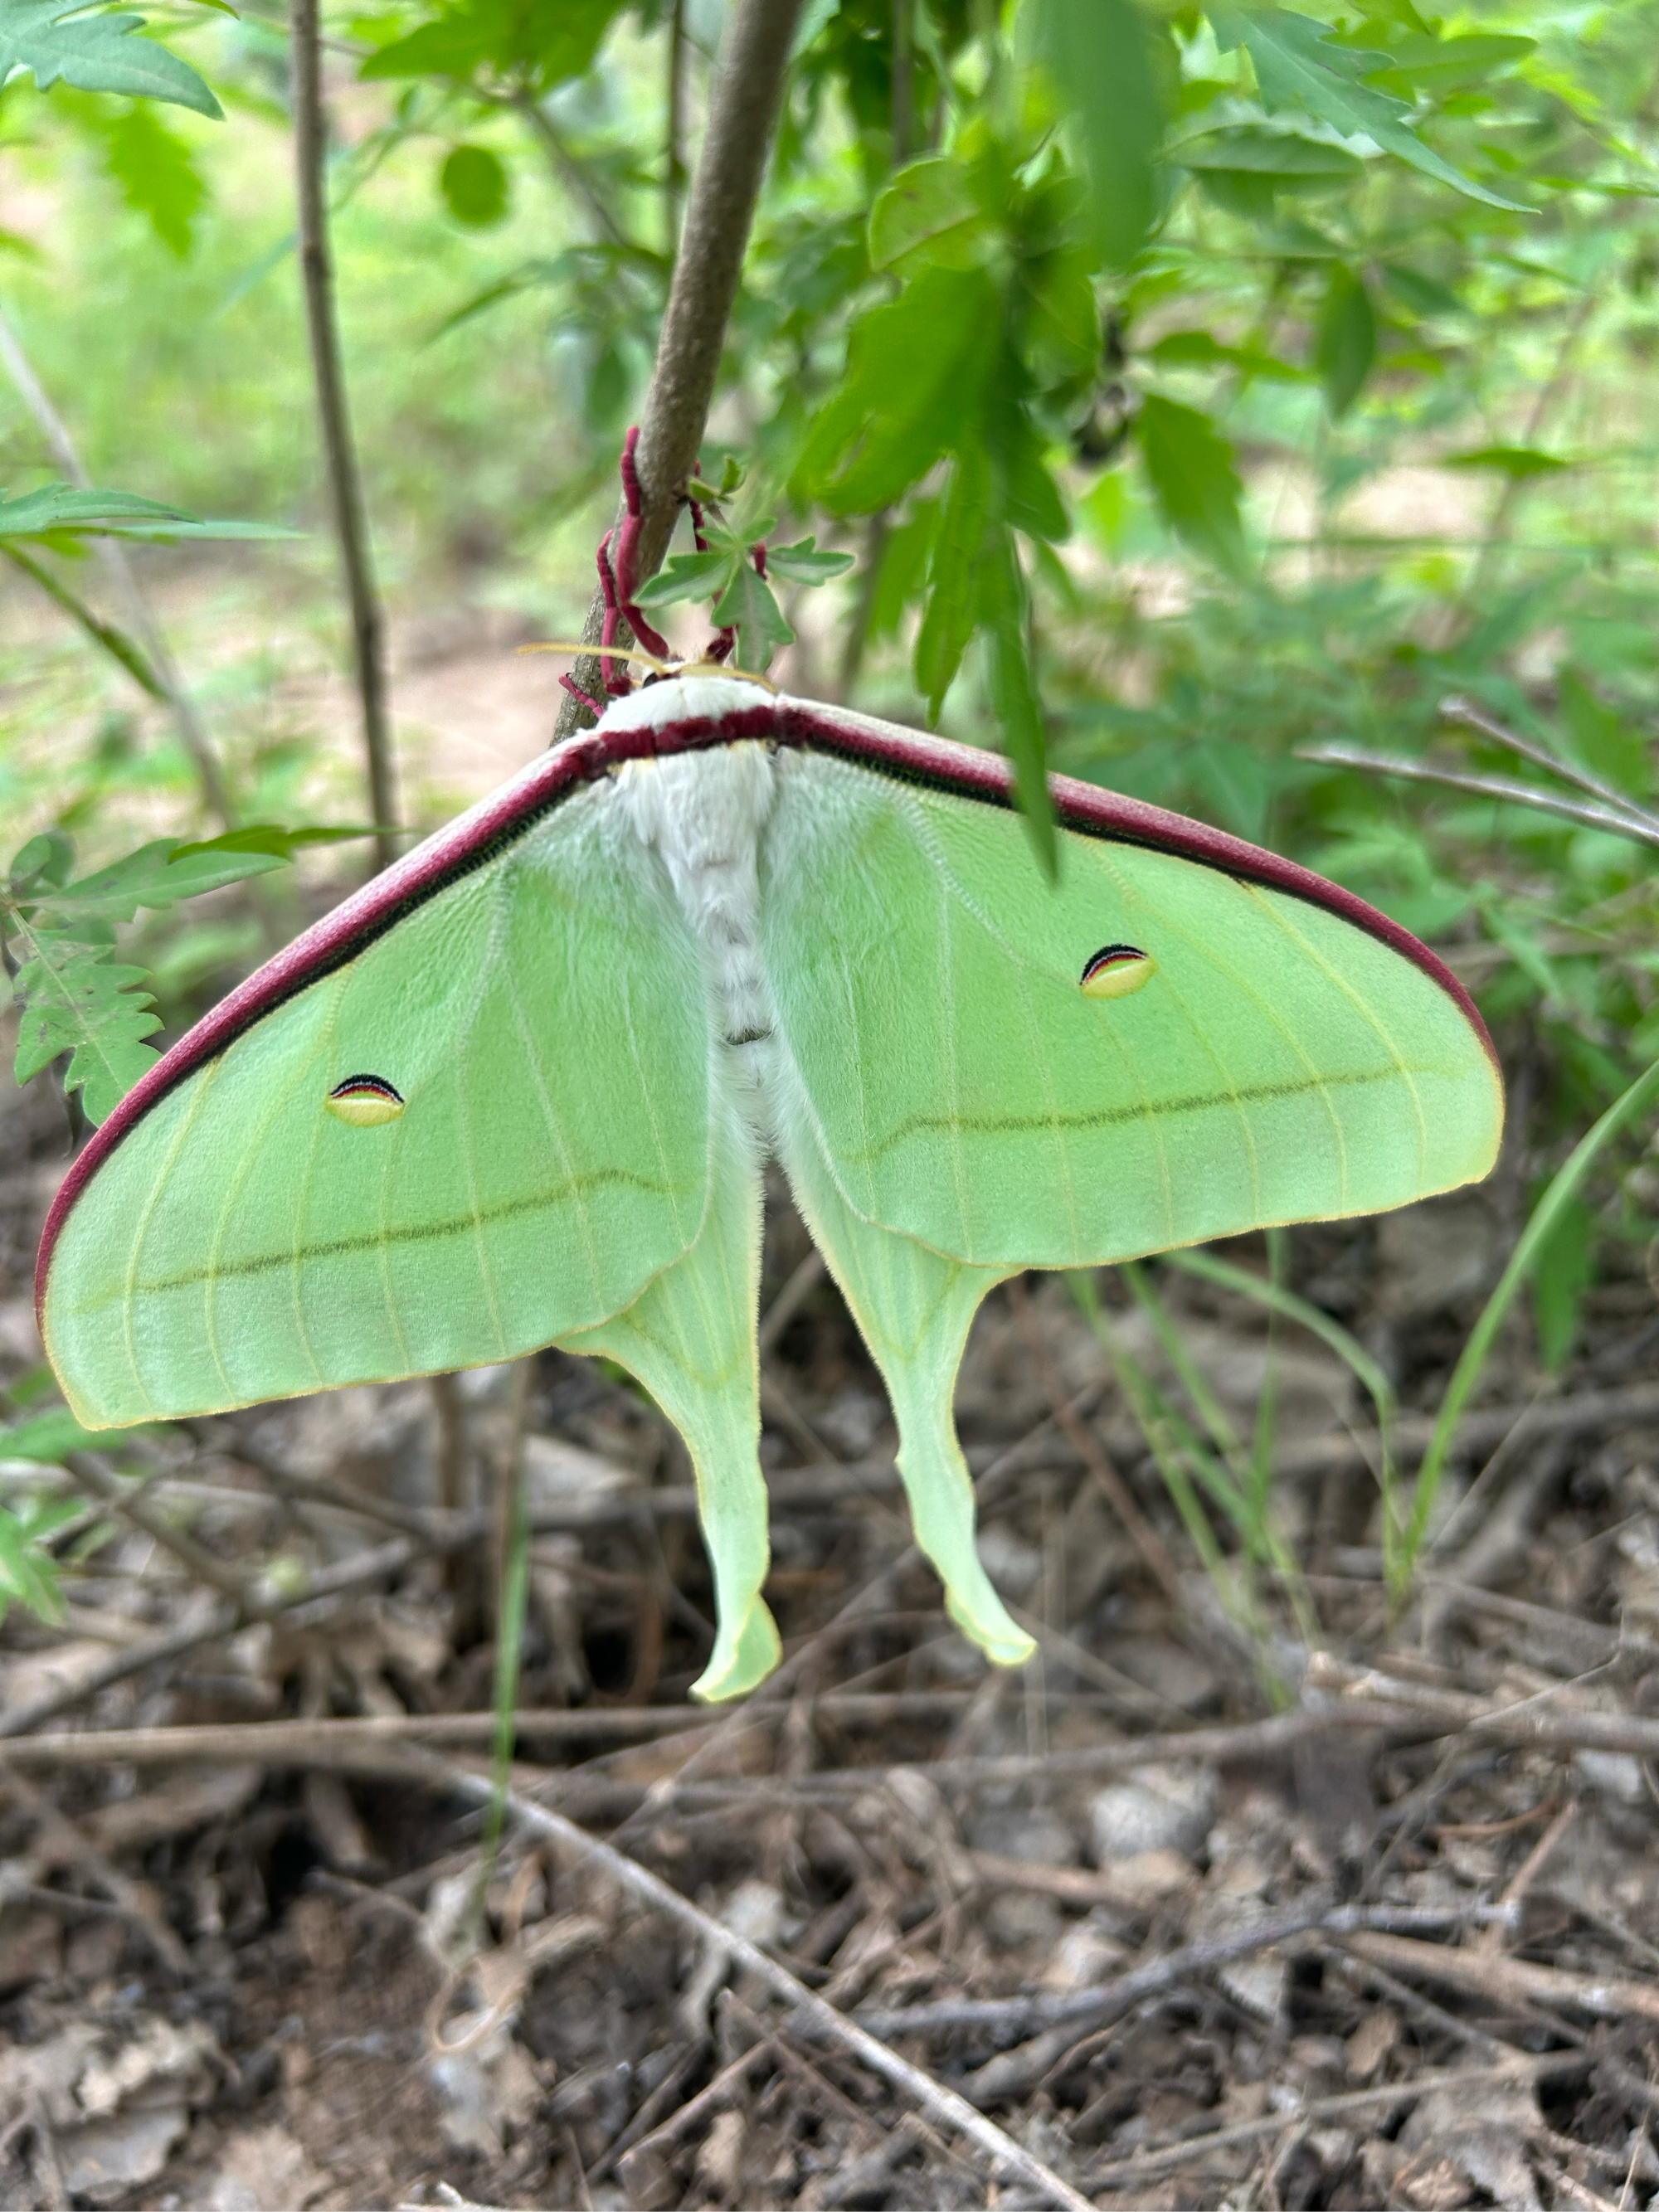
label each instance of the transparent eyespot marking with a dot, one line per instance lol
(364, 1101)
(1116, 970)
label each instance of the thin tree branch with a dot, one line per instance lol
(345, 489)
(743, 109)
(1466, 715)
(566, 169)
(1641, 827)
(674, 131)
(125, 581)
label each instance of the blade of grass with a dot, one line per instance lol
(1371, 1377)
(1562, 1187)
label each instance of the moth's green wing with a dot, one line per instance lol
(689, 1338)
(914, 1308)
(543, 1019)
(1281, 1064)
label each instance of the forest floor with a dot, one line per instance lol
(1340, 1910)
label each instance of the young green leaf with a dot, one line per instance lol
(954, 593)
(272, 837)
(28, 1572)
(687, 576)
(45, 1439)
(55, 39)
(1508, 460)
(1096, 52)
(1194, 479)
(473, 182)
(60, 512)
(916, 372)
(546, 42)
(747, 607)
(152, 166)
(1298, 65)
(1012, 681)
(929, 214)
(803, 563)
(89, 1008)
(1345, 340)
(159, 875)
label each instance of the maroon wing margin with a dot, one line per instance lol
(477, 835)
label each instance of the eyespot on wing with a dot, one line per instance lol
(365, 1102)
(1116, 970)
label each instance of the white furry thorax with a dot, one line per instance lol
(703, 814)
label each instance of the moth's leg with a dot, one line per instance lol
(914, 1308)
(689, 1338)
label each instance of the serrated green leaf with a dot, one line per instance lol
(1345, 340)
(1012, 681)
(689, 576)
(929, 214)
(1097, 51)
(954, 595)
(152, 166)
(916, 373)
(1194, 480)
(1423, 62)
(60, 512)
(28, 1573)
(748, 607)
(803, 563)
(1298, 64)
(41, 864)
(53, 38)
(84, 1007)
(550, 41)
(272, 837)
(159, 875)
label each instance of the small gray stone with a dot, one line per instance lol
(1153, 1808)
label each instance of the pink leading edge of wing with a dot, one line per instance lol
(507, 814)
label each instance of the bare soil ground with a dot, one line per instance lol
(1348, 1910)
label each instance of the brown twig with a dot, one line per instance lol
(1506, 1981)
(329, 1583)
(1627, 822)
(126, 1896)
(90, 1473)
(326, 1742)
(809, 2010)
(1543, 1720)
(743, 108)
(1004, 2019)
(345, 489)
(1466, 715)
(1164, 2158)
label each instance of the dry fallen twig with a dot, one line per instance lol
(942, 2103)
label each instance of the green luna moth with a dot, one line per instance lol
(519, 1090)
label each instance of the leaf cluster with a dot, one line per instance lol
(57, 937)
